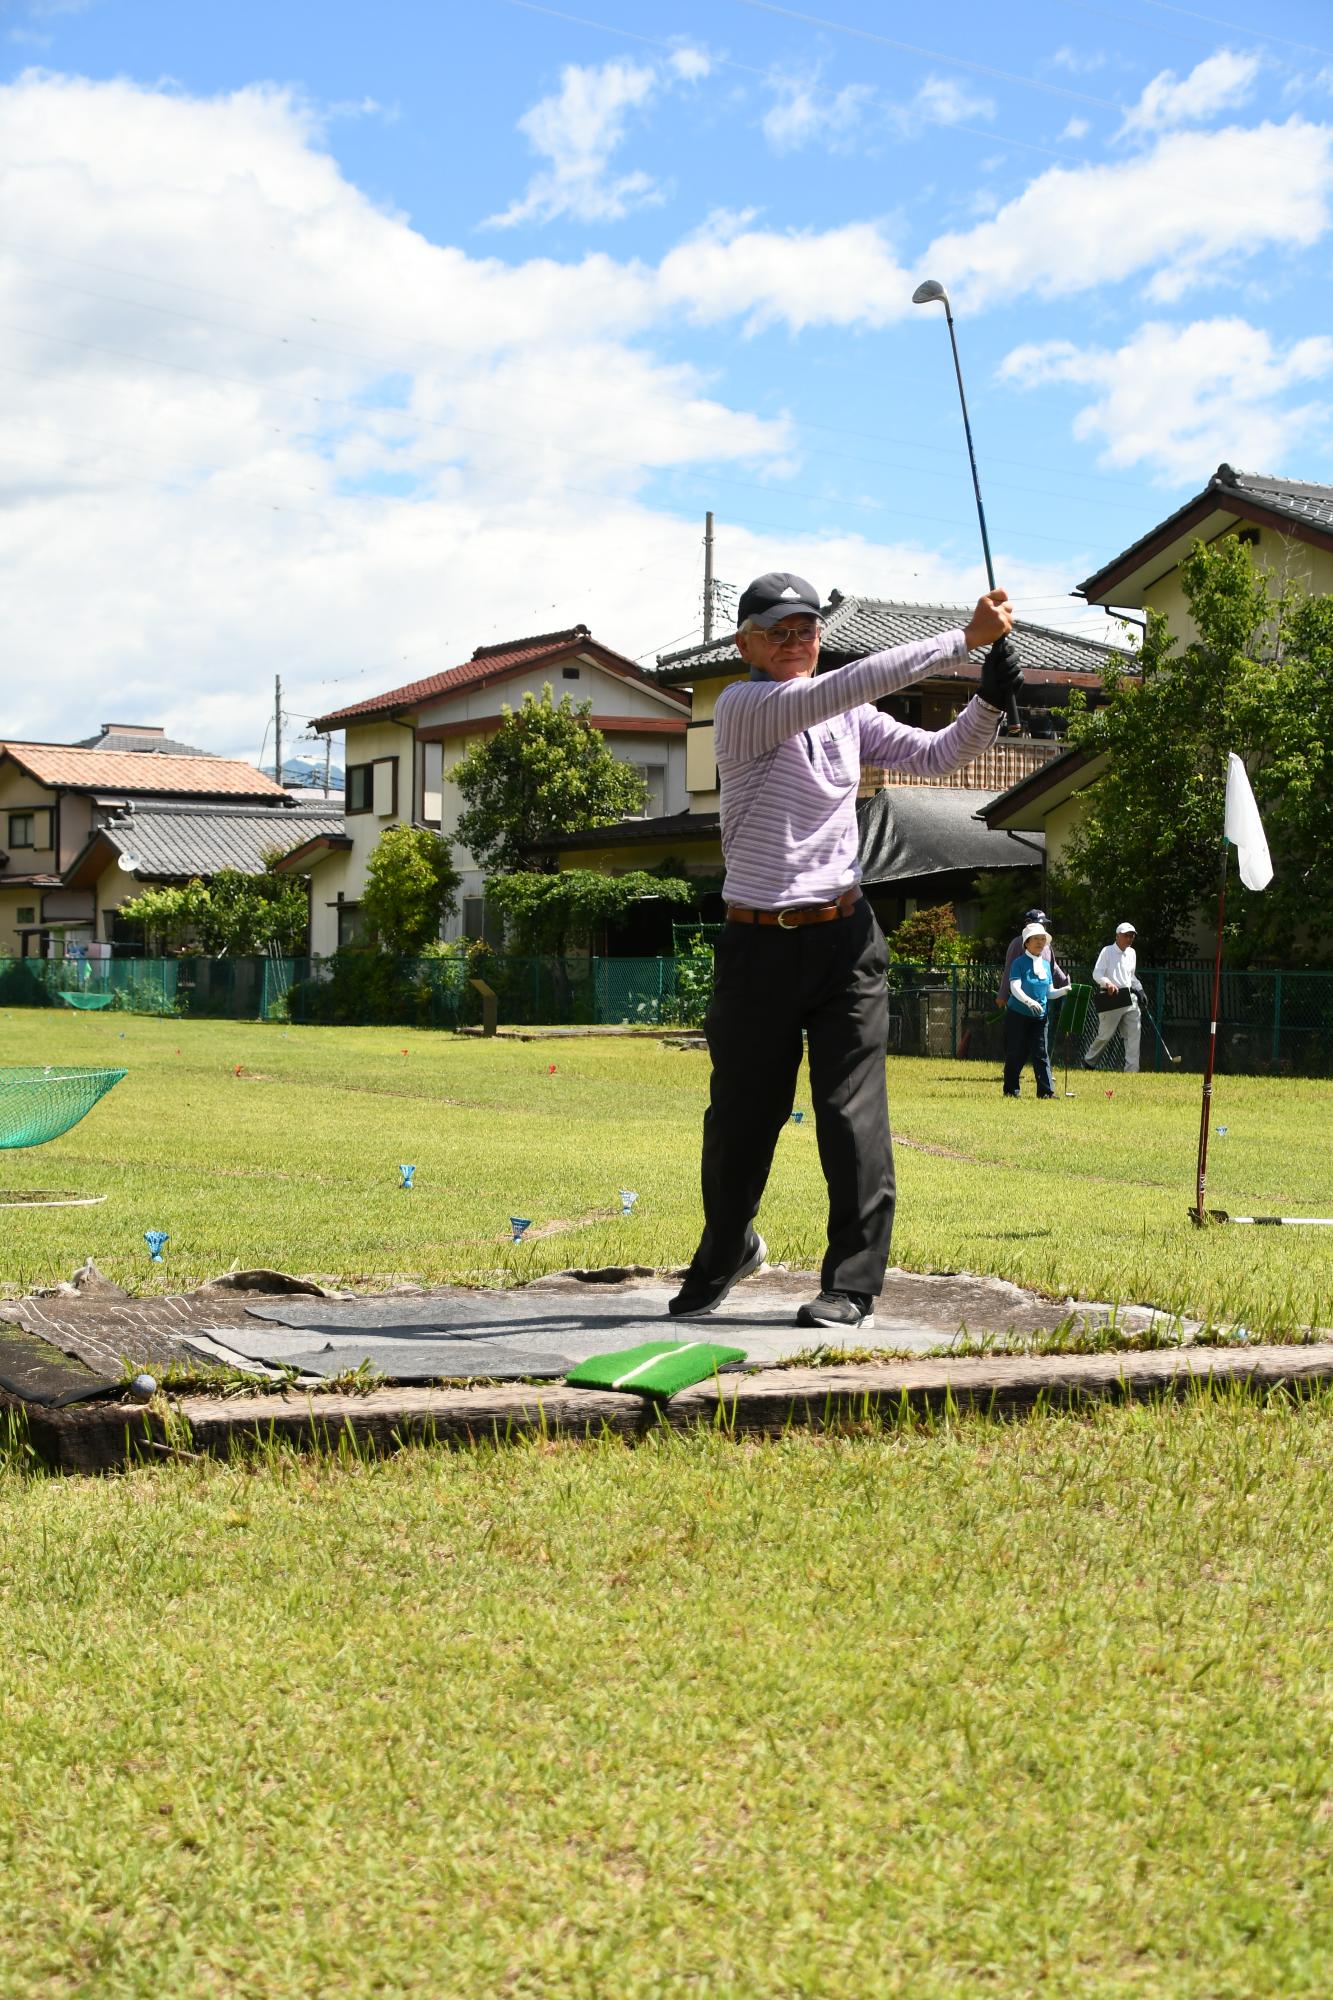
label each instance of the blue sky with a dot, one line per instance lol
(340, 342)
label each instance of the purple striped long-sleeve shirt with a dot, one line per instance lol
(789, 756)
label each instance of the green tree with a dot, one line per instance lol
(546, 771)
(930, 937)
(1258, 680)
(560, 912)
(232, 914)
(411, 886)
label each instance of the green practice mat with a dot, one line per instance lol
(658, 1368)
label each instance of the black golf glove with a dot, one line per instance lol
(1001, 674)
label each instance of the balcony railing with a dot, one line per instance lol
(1004, 764)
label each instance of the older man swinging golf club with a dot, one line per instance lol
(801, 949)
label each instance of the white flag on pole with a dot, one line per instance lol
(1244, 828)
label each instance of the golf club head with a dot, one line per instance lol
(928, 292)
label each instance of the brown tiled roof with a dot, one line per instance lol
(489, 663)
(128, 771)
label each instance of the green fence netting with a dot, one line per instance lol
(1274, 1021)
(39, 1104)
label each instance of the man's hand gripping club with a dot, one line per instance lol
(990, 626)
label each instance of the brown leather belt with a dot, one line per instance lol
(790, 920)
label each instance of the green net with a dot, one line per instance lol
(87, 999)
(39, 1104)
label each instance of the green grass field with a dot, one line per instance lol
(939, 1712)
(987, 1710)
(294, 1164)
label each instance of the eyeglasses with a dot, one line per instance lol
(796, 635)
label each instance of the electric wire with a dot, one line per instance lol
(636, 465)
(397, 418)
(929, 55)
(1234, 27)
(775, 78)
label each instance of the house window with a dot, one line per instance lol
(569, 673)
(372, 787)
(26, 913)
(351, 925)
(654, 777)
(481, 922)
(22, 830)
(384, 787)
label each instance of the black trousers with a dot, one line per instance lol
(1025, 1042)
(768, 985)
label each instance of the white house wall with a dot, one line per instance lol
(426, 791)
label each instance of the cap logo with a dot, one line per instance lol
(789, 592)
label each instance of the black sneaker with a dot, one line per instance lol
(848, 1310)
(701, 1293)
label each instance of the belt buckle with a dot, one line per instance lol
(783, 925)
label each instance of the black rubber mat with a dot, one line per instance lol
(39, 1373)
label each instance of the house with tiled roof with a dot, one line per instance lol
(921, 840)
(402, 744)
(55, 797)
(1287, 525)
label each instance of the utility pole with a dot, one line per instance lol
(277, 727)
(328, 752)
(708, 579)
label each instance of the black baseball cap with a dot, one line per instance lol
(778, 595)
(1035, 917)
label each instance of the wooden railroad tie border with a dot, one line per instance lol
(100, 1437)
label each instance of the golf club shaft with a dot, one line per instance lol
(1014, 724)
(1173, 1060)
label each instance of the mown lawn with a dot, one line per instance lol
(294, 1163)
(979, 1710)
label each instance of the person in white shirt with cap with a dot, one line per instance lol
(1117, 992)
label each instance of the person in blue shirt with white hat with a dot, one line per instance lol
(1031, 991)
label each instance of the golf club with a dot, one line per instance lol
(925, 295)
(1173, 1060)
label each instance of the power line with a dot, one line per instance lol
(664, 472)
(419, 365)
(1234, 27)
(930, 55)
(771, 77)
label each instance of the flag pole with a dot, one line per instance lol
(1199, 1217)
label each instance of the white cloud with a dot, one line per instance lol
(1079, 62)
(833, 277)
(691, 65)
(1196, 202)
(581, 125)
(257, 425)
(1077, 128)
(577, 130)
(1218, 83)
(1182, 399)
(943, 100)
(805, 112)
